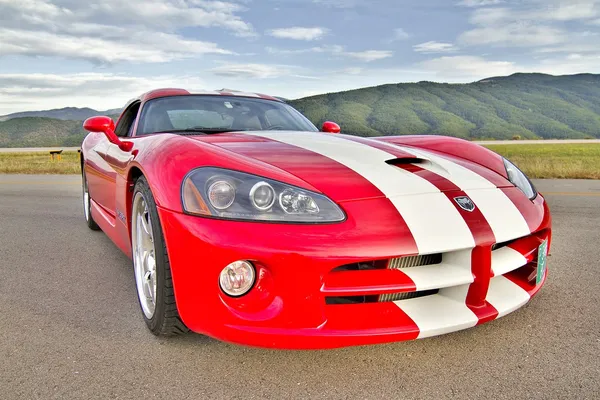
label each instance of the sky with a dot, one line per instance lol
(101, 53)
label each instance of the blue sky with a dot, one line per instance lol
(100, 53)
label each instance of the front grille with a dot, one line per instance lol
(381, 298)
(414, 261)
(410, 262)
(362, 266)
(417, 276)
(404, 296)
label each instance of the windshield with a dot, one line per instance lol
(214, 114)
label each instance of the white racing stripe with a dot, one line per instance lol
(505, 295)
(433, 220)
(505, 260)
(454, 270)
(502, 215)
(440, 313)
(363, 159)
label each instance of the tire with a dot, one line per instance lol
(152, 271)
(87, 204)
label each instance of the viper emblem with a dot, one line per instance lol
(465, 203)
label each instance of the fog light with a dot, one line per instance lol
(237, 278)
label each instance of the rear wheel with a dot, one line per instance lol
(151, 265)
(87, 204)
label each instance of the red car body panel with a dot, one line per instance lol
(298, 265)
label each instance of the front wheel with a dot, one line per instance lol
(151, 265)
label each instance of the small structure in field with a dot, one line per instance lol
(57, 154)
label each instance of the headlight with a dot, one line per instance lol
(223, 193)
(519, 179)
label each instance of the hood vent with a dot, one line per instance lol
(405, 161)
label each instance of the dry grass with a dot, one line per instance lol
(575, 161)
(563, 161)
(39, 163)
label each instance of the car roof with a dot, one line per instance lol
(169, 92)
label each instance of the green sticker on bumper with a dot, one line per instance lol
(541, 263)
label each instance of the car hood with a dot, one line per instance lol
(349, 168)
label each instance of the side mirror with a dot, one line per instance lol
(107, 126)
(331, 127)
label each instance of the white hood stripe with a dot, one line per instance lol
(433, 220)
(502, 215)
(367, 161)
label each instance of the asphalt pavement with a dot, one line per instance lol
(70, 325)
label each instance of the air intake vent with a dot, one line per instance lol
(414, 261)
(404, 296)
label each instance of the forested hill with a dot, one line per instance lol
(529, 106)
(67, 113)
(526, 106)
(40, 132)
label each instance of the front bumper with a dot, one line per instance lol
(297, 272)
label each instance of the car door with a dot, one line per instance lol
(118, 159)
(100, 175)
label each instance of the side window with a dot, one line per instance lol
(127, 121)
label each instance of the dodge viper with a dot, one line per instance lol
(248, 224)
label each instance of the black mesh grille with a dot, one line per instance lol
(414, 261)
(380, 298)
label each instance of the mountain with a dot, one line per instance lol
(40, 132)
(527, 106)
(530, 106)
(67, 113)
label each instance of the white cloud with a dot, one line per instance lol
(260, 71)
(340, 51)
(369, 55)
(533, 23)
(479, 3)
(133, 30)
(434, 47)
(141, 46)
(338, 3)
(400, 34)
(569, 12)
(505, 27)
(299, 33)
(515, 35)
(317, 49)
(473, 68)
(571, 64)
(97, 90)
(467, 67)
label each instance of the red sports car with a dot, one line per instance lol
(247, 224)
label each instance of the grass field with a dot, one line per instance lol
(39, 163)
(564, 161)
(574, 161)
